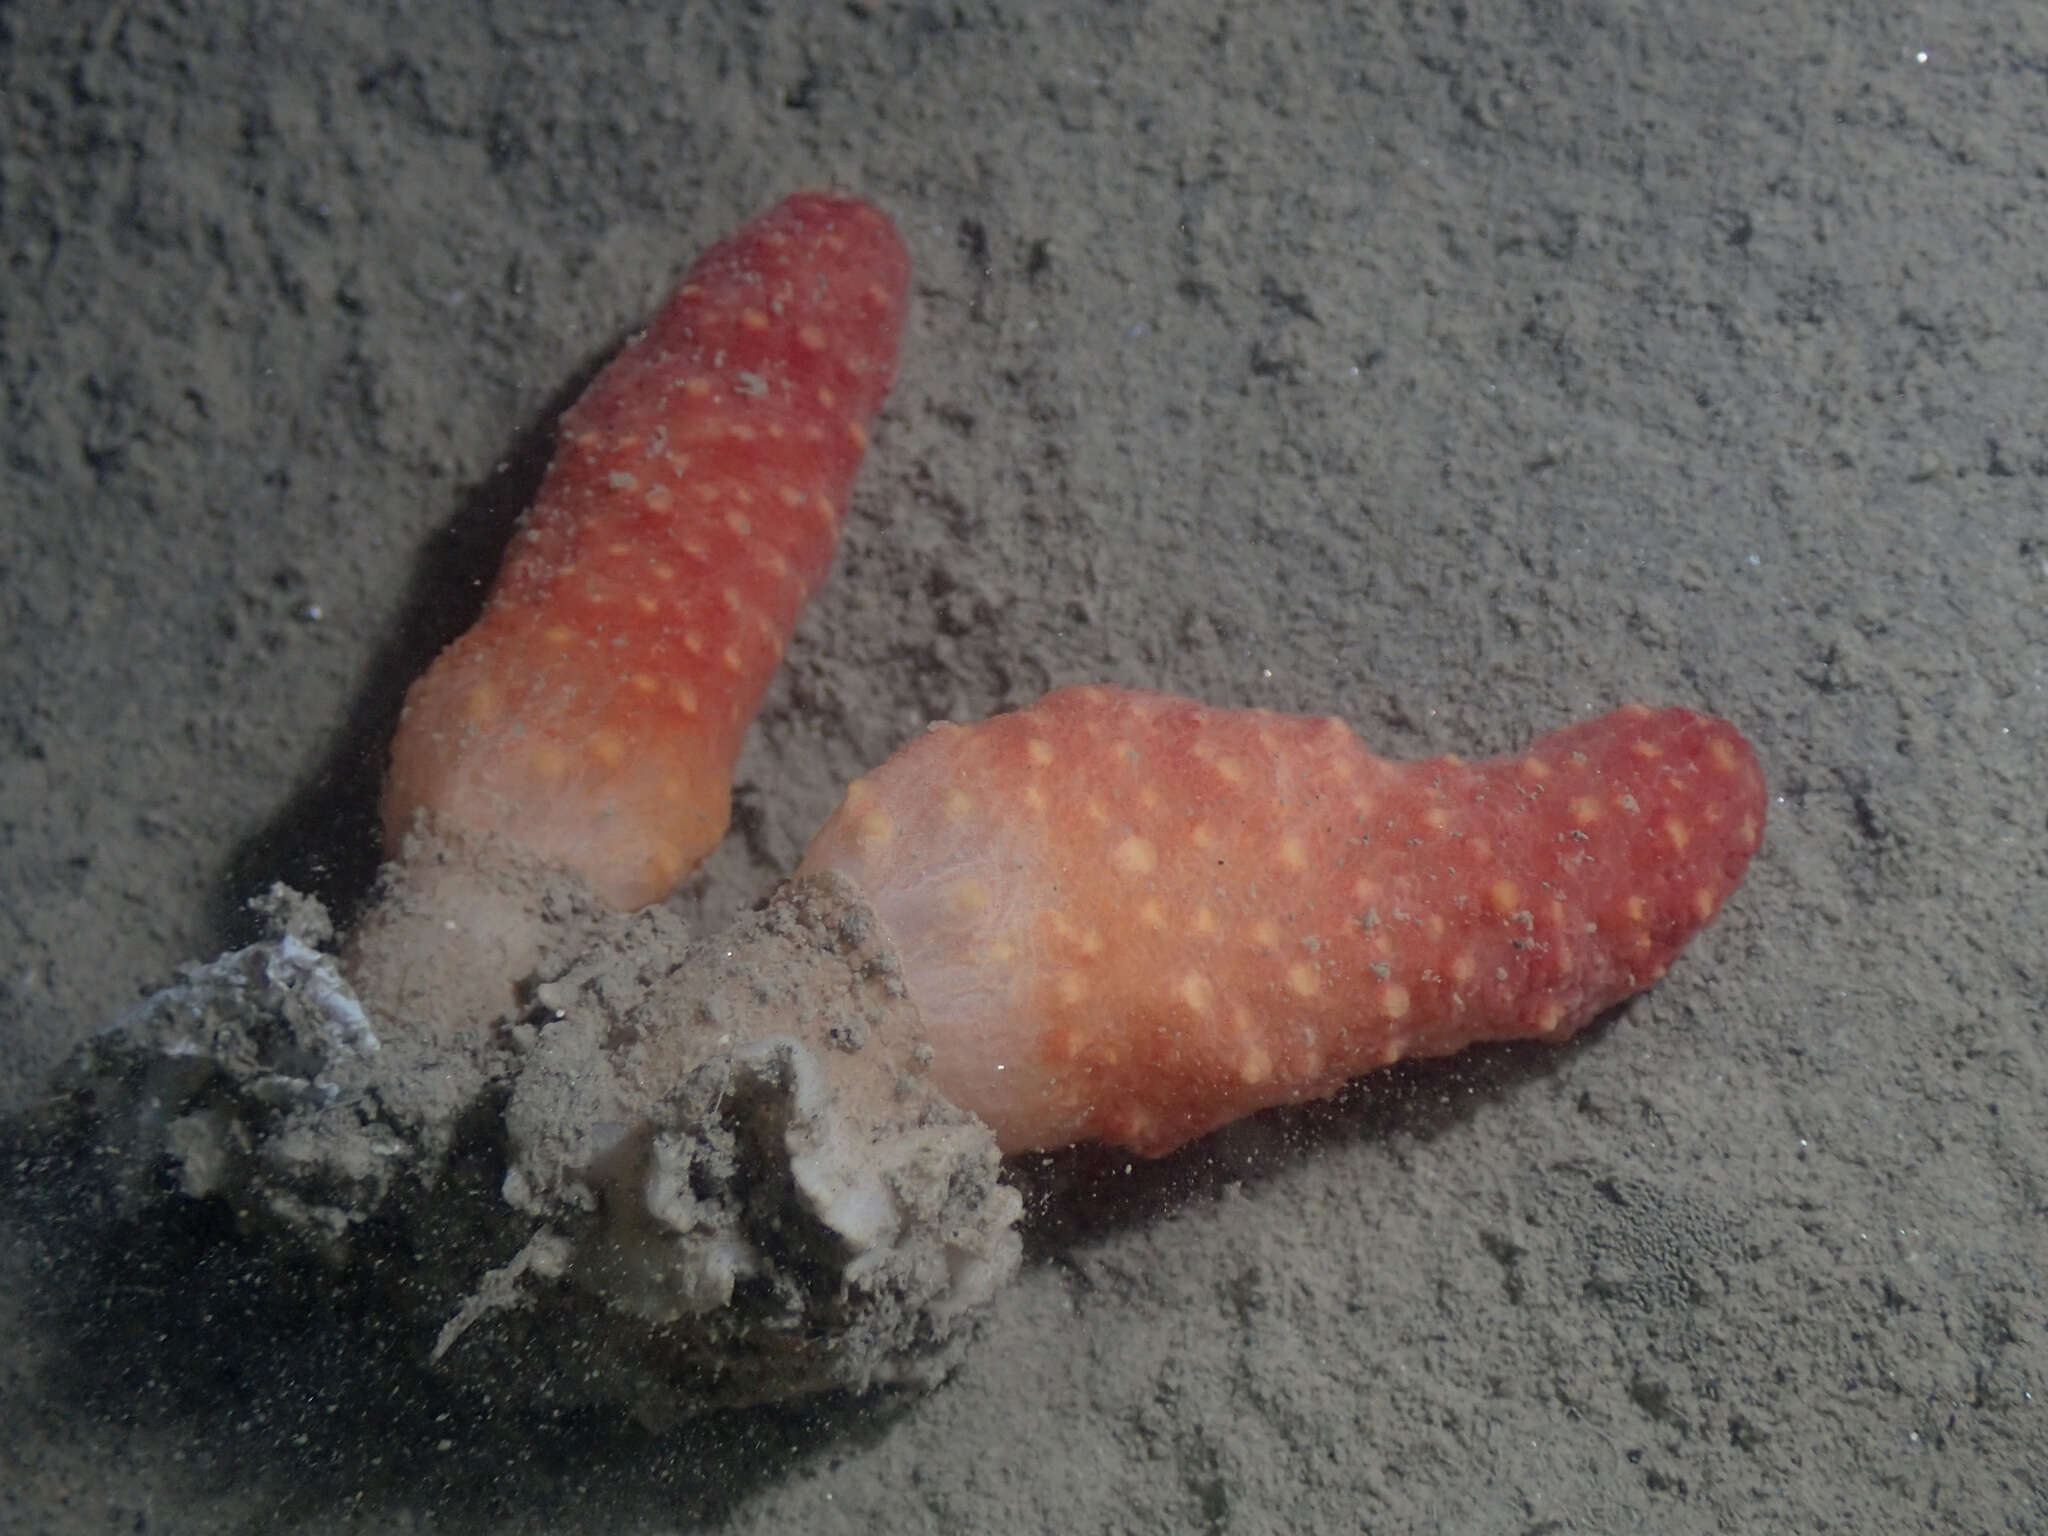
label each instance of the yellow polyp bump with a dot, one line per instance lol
(1751, 832)
(1097, 812)
(697, 389)
(1534, 769)
(1134, 857)
(675, 789)
(1436, 818)
(959, 805)
(1396, 1048)
(1070, 987)
(873, 831)
(1434, 925)
(480, 703)
(1035, 800)
(1637, 908)
(1549, 1017)
(1065, 1043)
(1722, 754)
(686, 698)
(1090, 943)
(1463, 968)
(1302, 980)
(618, 549)
(1196, 992)
(826, 397)
(1230, 770)
(1254, 1067)
(970, 898)
(828, 514)
(560, 636)
(647, 605)
(1365, 890)
(607, 747)
(1039, 751)
(1203, 923)
(704, 490)
(1265, 933)
(791, 496)
(858, 436)
(1394, 1001)
(739, 523)
(734, 662)
(589, 442)
(1293, 855)
(1585, 810)
(754, 319)
(775, 562)
(667, 860)
(1150, 800)
(1129, 1125)
(741, 432)
(1479, 849)
(811, 337)
(550, 762)
(1152, 915)
(1202, 836)
(733, 598)
(1645, 749)
(1680, 833)
(658, 497)
(620, 480)
(1703, 903)
(1503, 896)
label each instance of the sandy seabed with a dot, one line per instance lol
(1462, 371)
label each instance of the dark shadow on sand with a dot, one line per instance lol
(325, 840)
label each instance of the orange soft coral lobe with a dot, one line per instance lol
(1131, 918)
(593, 715)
